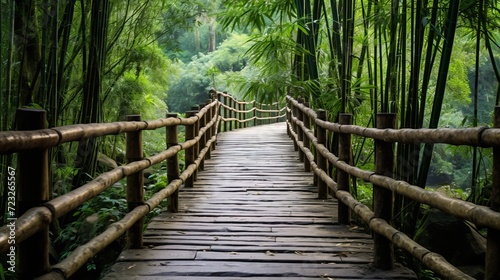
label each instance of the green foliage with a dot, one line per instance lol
(206, 71)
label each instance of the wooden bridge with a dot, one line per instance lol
(250, 203)
(253, 212)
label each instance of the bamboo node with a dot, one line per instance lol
(480, 136)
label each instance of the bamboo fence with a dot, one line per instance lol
(32, 141)
(308, 129)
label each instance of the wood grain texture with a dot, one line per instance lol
(253, 213)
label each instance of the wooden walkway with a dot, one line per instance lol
(252, 213)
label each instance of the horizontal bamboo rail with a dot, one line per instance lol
(31, 226)
(300, 118)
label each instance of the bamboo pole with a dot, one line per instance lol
(294, 125)
(492, 267)
(300, 133)
(226, 112)
(190, 154)
(208, 135)
(343, 178)
(135, 184)
(307, 142)
(321, 160)
(197, 146)
(382, 197)
(172, 166)
(203, 140)
(254, 106)
(32, 191)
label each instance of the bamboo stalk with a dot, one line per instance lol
(32, 191)
(135, 184)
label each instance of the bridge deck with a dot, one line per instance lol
(252, 213)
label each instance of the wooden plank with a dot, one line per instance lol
(240, 270)
(253, 213)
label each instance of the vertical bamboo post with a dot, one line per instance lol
(208, 133)
(135, 184)
(492, 267)
(197, 147)
(260, 114)
(343, 178)
(189, 156)
(215, 116)
(32, 191)
(277, 113)
(254, 109)
(245, 115)
(294, 125)
(173, 172)
(289, 115)
(300, 133)
(226, 111)
(231, 113)
(383, 198)
(321, 137)
(307, 142)
(202, 122)
(240, 114)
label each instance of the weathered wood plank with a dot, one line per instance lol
(253, 213)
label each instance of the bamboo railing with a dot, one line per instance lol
(236, 114)
(29, 230)
(309, 128)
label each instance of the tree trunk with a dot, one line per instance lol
(27, 41)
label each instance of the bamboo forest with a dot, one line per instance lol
(434, 63)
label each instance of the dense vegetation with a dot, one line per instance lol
(434, 63)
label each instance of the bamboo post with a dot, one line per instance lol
(240, 115)
(321, 137)
(254, 107)
(209, 132)
(260, 114)
(231, 113)
(383, 198)
(226, 111)
(492, 267)
(307, 142)
(190, 152)
(300, 133)
(202, 122)
(289, 116)
(197, 146)
(217, 111)
(294, 125)
(173, 172)
(215, 115)
(32, 191)
(245, 115)
(343, 178)
(135, 184)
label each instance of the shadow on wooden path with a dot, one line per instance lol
(252, 213)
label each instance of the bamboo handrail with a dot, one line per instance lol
(478, 136)
(480, 215)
